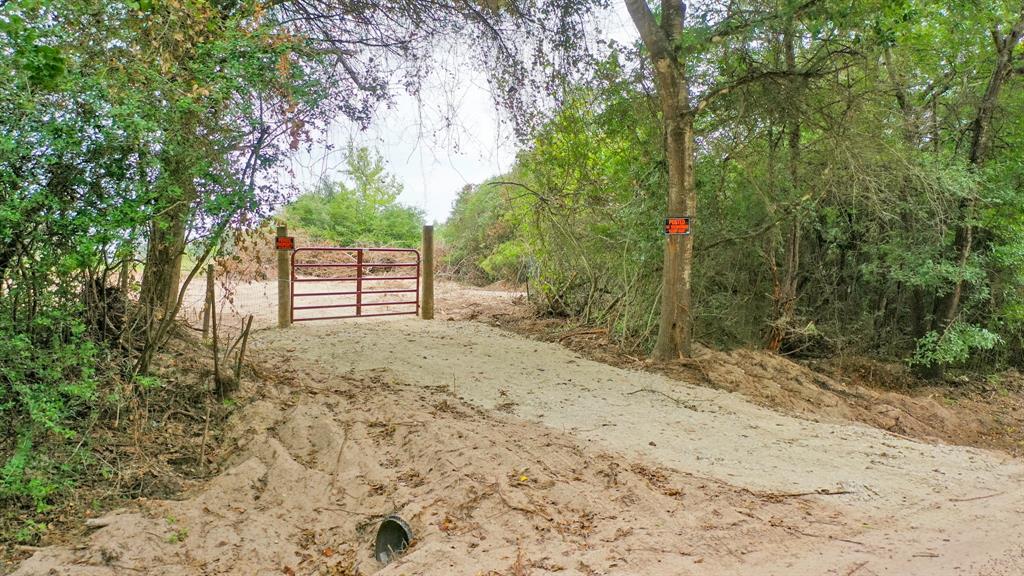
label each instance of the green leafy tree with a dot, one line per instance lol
(834, 167)
(364, 211)
(480, 237)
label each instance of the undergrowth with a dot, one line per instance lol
(81, 439)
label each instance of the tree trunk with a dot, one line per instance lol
(158, 294)
(162, 272)
(676, 325)
(784, 292)
(660, 39)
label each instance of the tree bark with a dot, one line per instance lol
(162, 271)
(675, 326)
(161, 276)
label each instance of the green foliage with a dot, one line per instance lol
(29, 532)
(48, 392)
(875, 189)
(147, 382)
(50, 379)
(28, 475)
(579, 216)
(507, 261)
(954, 346)
(112, 128)
(481, 223)
(362, 212)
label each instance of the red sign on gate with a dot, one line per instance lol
(677, 225)
(285, 243)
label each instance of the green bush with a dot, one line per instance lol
(48, 380)
(506, 262)
(48, 393)
(481, 221)
(954, 346)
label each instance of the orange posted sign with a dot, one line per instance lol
(677, 225)
(285, 243)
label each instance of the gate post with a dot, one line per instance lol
(284, 284)
(359, 282)
(427, 308)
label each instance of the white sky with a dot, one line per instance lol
(452, 135)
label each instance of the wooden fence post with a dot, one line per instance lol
(284, 282)
(427, 304)
(208, 309)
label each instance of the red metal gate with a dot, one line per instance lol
(396, 269)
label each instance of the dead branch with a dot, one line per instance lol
(678, 402)
(241, 351)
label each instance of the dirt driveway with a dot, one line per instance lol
(911, 507)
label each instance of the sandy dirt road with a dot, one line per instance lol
(511, 457)
(913, 508)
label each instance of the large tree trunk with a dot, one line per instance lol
(660, 39)
(676, 326)
(162, 272)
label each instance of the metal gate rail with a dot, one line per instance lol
(360, 277)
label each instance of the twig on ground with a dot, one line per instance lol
(514, 506)
(347, 511)
(521, 567)
(821, 492)
(26, 548)
(825, 536)
(660, 550)
(341, 452)
(678, 402)
(857, 567)
(206, 430)
(586, 332)
(994, 494)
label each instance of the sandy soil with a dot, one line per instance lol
(978, 411)
(238, 300)
(923, 508)
(322, 457)
(513, 456)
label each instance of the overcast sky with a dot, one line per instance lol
(450, 136)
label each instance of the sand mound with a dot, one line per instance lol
(316, 468)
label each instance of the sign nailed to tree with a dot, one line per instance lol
(285, 243)
(677, 225)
